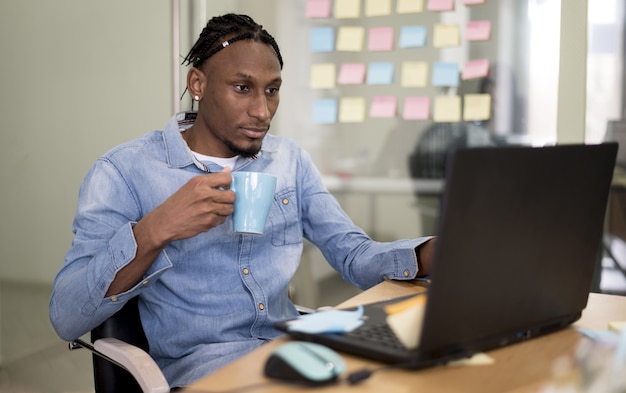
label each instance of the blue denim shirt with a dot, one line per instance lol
(209, 299)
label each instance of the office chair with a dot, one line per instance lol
(120, 359)
(121, 362)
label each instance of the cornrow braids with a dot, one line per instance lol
(242, 27)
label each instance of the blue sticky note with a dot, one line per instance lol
(322, 39)
(379, 73)
(445, 74)
(412, 36)
(325, 111)
(333, 321)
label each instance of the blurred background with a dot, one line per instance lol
(80, 76)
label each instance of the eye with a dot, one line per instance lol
(242, 88)
(272, 90)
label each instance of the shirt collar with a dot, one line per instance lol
(178, 153)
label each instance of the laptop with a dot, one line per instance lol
(519, 235)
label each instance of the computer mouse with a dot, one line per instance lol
(304, 362)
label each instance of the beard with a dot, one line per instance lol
(250, 152)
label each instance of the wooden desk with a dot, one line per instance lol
(522, 367)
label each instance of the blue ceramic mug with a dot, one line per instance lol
(254, 195)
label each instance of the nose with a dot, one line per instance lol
(259, 107)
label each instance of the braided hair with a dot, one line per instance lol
(211, 40)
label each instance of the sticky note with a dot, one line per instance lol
(475, 69)
(380, 38)
(446, 35)
(331, 321)
(412, 36)
(476, 107)
(383, 106)
(478, 30)
(447, 109)
(351, 73)
(414, 74)
(416, 108)
(409, 6)
(318, 8)
(445, 74)
(440, 5)
(617, 326)
(472, 2)
(322, 39)
(477, 359)
(379, 73)
(323, 76)
(405, 320)
(350, 38)
(377, 7)
(347, 9)
(325, 111)
(351, 110)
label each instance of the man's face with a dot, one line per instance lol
(240, 99)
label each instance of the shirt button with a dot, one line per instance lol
(285, 201)
(246, 271)
(261, 306)
(406, 273)
(114, 298)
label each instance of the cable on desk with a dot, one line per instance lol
(361, 375)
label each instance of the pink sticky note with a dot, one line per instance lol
(383, 106)
(416, 108)
(318, 8)
(475, 69)
(478, 30)
(380, 38)
(440, 5)
(351, 74)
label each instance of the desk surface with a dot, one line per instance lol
(522, 367)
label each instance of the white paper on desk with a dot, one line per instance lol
(333, 321)
(405, 319)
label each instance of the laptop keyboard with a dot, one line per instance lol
(378, 334)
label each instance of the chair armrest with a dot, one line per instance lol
(136, 361)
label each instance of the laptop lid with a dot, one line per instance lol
(519, 235)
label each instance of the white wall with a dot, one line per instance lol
(77, 77)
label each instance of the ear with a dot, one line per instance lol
(196, 82)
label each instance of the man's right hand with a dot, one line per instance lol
(202, 203)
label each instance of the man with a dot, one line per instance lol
(154, 220)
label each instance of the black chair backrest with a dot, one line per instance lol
(125, 325)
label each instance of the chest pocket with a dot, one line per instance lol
(286, 226)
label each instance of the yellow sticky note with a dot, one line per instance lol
(352, 110)
(405, 319)
(476, 107)
(447, 109)
(350, 38)
(377, 7)
(617, 326)
(446, 35)
(409, 6)
(478, 359)
(414, 74)
(323, 76)
(347, 9)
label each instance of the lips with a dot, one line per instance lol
(254, 133)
